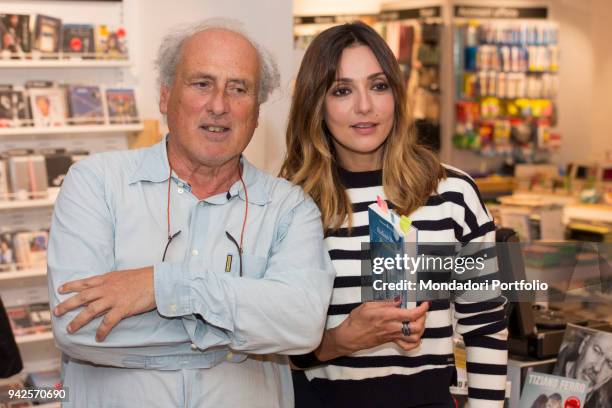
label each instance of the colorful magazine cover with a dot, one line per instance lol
(78, 39)
(544, 391)
(110, 44)
(14, 110)
(47, 34)
(48, 106)
(15, 34)
(121, 106)
(85, 104)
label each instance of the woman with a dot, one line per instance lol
(348, 140)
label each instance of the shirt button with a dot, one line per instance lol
(173, 307)
(229, 356)
(194, 252)
(180, 184)
(194, 347)
(180, 191)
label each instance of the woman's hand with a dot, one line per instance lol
(372, 324)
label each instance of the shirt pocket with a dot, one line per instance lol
(253, 266)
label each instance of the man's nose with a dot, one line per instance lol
(218, 103)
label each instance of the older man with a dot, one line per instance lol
(177, 270)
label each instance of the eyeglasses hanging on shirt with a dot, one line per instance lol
(228, 261)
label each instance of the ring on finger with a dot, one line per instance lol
(406, 328)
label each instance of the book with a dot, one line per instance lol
(14, 35)
(40, 316)
(7, 253)
(47, 33)
(392, 235)
(31, 249)
(85, 104)
(78, 39)
(27, 176)
(545, 390)
(586, 355)
(110, 44)
(4, 186)
(58, 163)
(14, 110)
(19, 317)
(121, 103)
(48, 106)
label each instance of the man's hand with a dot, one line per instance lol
(116, 295)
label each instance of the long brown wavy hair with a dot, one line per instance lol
(410, 171)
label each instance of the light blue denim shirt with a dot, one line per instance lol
(111, 215)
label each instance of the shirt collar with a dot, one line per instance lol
(154, 167)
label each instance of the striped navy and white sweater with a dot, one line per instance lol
(386, 375)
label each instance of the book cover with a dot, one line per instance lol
(85, 104)
(586, 355)
(19, 179)
(14, 35)
(7, 253)
(19, 317)
(78, 39)
(4, 186)
(110, 44)
(392, 235)
(40, 315)
(48, 106)
(58, 164)
(31, 249)
(544, 390)
(121, 106)
(37, 248)
(47, 33)
(14, 110)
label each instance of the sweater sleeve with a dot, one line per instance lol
(480, 315)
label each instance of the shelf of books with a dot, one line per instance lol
(64, 63)
(34, 203)
(23, 274)
(61, 130)
(63, 95)
(36, 337)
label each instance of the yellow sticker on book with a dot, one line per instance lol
(405, 224)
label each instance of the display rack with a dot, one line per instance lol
(64, 63)
(506, 63)
(82, 129)
(24, 285)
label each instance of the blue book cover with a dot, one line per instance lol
(391, 236)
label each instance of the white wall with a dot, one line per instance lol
(270, 22)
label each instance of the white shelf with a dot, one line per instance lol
(20, 204)
(64, 63)
(34, 338)
(62, 130)
(26, 273)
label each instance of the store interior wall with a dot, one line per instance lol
(270, 23)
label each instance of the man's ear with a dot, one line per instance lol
(164, 94)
